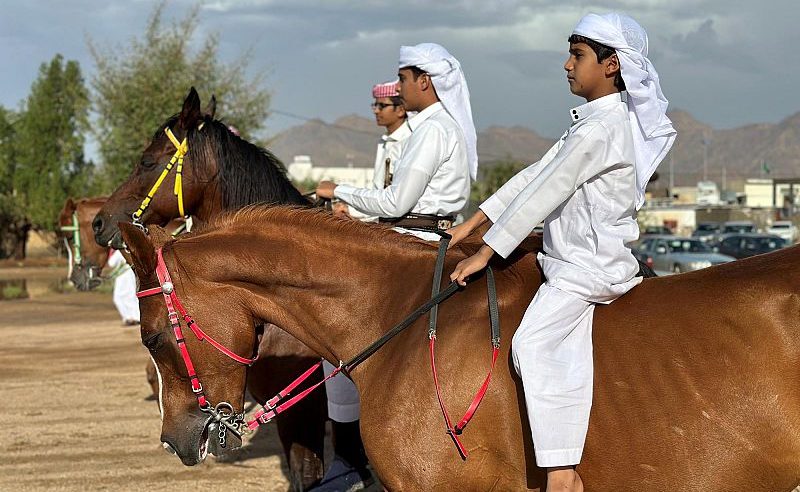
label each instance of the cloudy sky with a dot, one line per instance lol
(728, 62)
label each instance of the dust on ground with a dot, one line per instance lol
(73, 388)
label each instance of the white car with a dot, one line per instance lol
(784, 229)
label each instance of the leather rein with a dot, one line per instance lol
(223, 413)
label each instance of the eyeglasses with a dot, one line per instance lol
(382, 106)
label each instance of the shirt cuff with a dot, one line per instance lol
(500, 240)
(493, 207)
(343, 192)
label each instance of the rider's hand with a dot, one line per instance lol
(458, 233)
(474, 263)
(464, 229)
(341, 210)
(325, 189)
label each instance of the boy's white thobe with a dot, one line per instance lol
(124, 288)
(584, 189)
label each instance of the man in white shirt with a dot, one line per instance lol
(587, 189)
(429, 185)
(431, 181)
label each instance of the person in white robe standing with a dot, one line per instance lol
(587, 189)
(430, 182)
(124, 289)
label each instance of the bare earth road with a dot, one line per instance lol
(72, 393)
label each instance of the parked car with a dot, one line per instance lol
(738, 226)
(650, 230)
(785, 229)
(678, 254)
(744, 245)
(707, 231)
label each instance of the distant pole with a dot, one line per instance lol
(724, 178)
(671, 177)
(705, 157)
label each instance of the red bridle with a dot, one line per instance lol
(167, 289)
(222, 412)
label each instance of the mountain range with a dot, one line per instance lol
(731, 155)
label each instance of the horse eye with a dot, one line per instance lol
(148, 163)
(153, 342)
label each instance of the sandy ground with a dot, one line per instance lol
(73, 388)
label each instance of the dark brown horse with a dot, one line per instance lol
(224, 172)
(696, 375)
(86, 258)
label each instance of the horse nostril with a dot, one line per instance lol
(97, 224)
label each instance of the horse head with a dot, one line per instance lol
(172, 159)
(197, 418)
(86, 258)
(203, 168)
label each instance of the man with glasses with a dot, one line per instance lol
(391, 114)
(421, 191)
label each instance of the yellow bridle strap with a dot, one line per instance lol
(181, 149)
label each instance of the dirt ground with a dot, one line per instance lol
(73, 388)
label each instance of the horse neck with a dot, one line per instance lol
(324, 288)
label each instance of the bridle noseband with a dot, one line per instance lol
(223, 412)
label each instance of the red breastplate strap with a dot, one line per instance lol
(172, 302)
(455, 431)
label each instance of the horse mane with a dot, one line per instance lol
(248, 174)
(289, 217)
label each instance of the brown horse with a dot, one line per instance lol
(224, 172)
(696, 385)
(86, 258)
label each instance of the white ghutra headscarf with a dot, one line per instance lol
(451, 87)
(653, 134)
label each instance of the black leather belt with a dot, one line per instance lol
(420, 221)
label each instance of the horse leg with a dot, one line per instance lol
(302, 434)
(302, 428)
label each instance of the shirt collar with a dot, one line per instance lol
(399, 134)
(423, 115)
(584, 110)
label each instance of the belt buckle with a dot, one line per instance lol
(444, 224)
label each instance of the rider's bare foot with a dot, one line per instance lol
(563, 479)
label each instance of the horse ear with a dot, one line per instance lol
(211, 108)
(69, 205)
(190, 114)
(142, 252)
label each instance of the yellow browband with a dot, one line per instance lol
(182, 148)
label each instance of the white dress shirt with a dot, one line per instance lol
(390, 148)
(584, 189)
(431, 176)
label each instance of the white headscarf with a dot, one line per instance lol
(451, 87)
(653, 134)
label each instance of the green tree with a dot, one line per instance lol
(136, 88)
(13, 225)
(493, 176)
(50, 163)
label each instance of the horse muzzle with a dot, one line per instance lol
(85, 277)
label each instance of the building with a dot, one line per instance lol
(301, 170)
